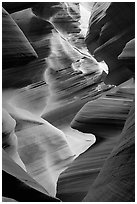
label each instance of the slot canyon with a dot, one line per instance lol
(68, 101)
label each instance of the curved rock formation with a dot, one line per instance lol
(128, 51)
(42, 147)
(14, 175)
(48, 72)
(16, 49)
(37, 30)
(109, 31)
(127, 56)
(116, 181)
(38, 33)
(9, 138)
(46, 10)
(105, 117)
(96, 117)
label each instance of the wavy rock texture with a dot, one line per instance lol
(38, 33)
(37, 30)
(111, 184)
(16, 49)
(44, 149)
(75, 179)
(108, 113)
(67, 68)
(48, 77)
(9, 138)
(116, 181)
(22, 75)
(14, 175)
(109, 31)
(105, 118)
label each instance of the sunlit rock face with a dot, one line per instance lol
(45, 150)
(115, 182)
(25, 187)
(9, 138)
(66, 17)
(48, 77)
(67, 21)
(68, 71)
(94, 117)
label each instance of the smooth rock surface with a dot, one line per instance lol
(21, 76)
(22, 182)
(116, 180)
(109, 31)
(105, 117)
(127, 56)
(74, 183)
(128, 51)
(45, 150)
(16, 49)
(37, 30)
(9, 138)
(54, 87)
(12, 7)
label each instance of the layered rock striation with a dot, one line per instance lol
(49, 74)
(111, 179)
(116, 181)
(109, 31)
(44, 149)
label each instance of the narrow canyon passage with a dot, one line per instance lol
(68, 89)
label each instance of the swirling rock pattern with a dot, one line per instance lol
(14, 175)
(16, 49)
(38, 31)
(116, 180)
(48, 75)
(75, 182)
(106, 116)
(109, 31)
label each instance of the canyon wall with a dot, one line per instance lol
(55, 82)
